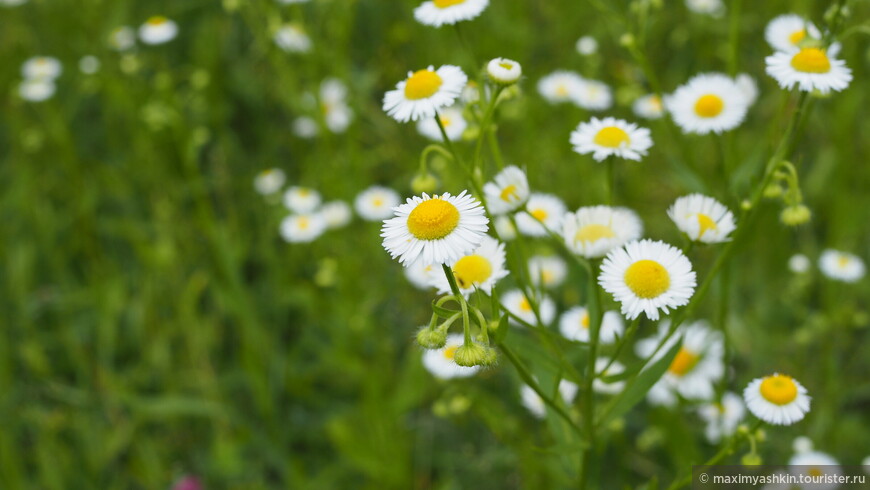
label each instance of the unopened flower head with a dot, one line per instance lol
(547, 271)
(451, 118)
(43, 67)
(611, 137)
(301, 228)
(841, 266)
(508, 190)
(722, 417)
(593, 95)
(560, 86)
(542, 212)
(480, 269)
(648, 107)
(702, 218)
(777, 399)
(376, 203)
(503, 71)
(158, 30)
(516, 302)
(424, 92)
(440, 362)
(810, 68)
(269, 181)
(795, 215)
(709, 102)
(574, 325)
(786, 32)
(586, 45)
(594, 231)
(437, 13)
(301, 199)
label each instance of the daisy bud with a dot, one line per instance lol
(502, 71)
(795, 215)
(431, 338)
(491, 357)
(751, 459)
(627, 40)
(471, 355)
(746, 205)
(773, 191)
(424, 182)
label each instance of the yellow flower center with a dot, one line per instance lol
(156, 20)
(684, 362)
(303, 223)
(422, 84)
(446, 121)
(506, 66)
(594, 232)
(814, 471)
(547, 277)
(539, 214)
(377, 202)
(709, 105)
(471, 270)
(811, 60)
(611, 137)
(797, 36)
(450, 352)
(584, 320)
(647, 279)
(509, 193)
(562, 90)
(433, 219)
(525, 306)
(656, 102)
(842, 261)
(779, 389)
(443, 4)
(706, 223)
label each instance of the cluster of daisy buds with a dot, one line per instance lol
(786, 186)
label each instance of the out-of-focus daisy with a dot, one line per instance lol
(505, 228)
(820, 470)
(785, 32)
(841, 266)
(503, 71)
(648, 107)
(122, 38)
(89, 64)
(424, 92)
(536, 405)
(440, 362)
(702, 218)
(292, 39)
(802, 444)
(437, 13)
(305, 127)
(574, 325)
(747, 85)
(611, 137)
(698, 364)
(799, 263)
(593, 95)
(36, 89)
(600, 385)
(44, 67)
(507, 192)
(301, 199)
(810, 69)
(777, 399)
(647, 276)
(336, 213)
(298, 228)
(708, 102)
(708, 7)
(376, 203)
(158, 30)
(586, 45)
(439, 229)
(453, 121)
(542, 210)
(481, 269)
(269, 181)
(516, 302)
(594, 231)
(549, 271)
(333, 104)
(560, 86)
(722, 417)
(422, 275)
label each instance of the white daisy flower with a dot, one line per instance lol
(44, 67)
(785, 32)
(437, 229)
(599, 385)
(503, 71)
(802, 444)
(722, 417)
(799, 263)
(89, 64)
(422, 275)
(810, 69)
(516, 302)
(648, 107)
(611, 137)
(437, 13)
(507, 192)
(820, 470)
(122, 38)
(453, 121)
(424, 92)
(574, 325)
(777, 399)
(747, 85)
(550, 271)
(301, 200)
(269, 181)
(560, 86)
(647, 276)
(299, 228)
(480, 269)
(594, 231)
(702, 218)
(36, 89)
(305, 127)
(841, 266)
(536, 405)
(708, 102)
(439, 362)
(336, 213)
(505, 228)
(593, 95)
(586, 45)
(376, 203)
(708, 7)
(542, 210)
(158, 30)
(292, 39)
(333, 104)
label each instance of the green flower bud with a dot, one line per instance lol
(471, 355)
(795, 215)
(491, 358)
(751, 459)
(627, 40)
(773, 191)
(431, 338)
(424, 182)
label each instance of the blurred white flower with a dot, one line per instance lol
(36, 89)
(587, 45)
(799, 263)
(122, 38)
(89, 65)
(158, 30)
(41, 67)
(291, 38)
(269, 181)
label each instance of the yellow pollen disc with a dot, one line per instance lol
(656, 102)
(509, 193)
(593, 233)
(547, 277)
(842, 261)
(525, 306)
(797, 36)
(304, 192)
(449, 352)
(539, 214)
(433, 219)
(562, 91)
(709, 105)
(471, 270)
(779, 389)
(611, 137)
(811, 60)
(303, 223)
(684, 362)
(720, 407)
(422, 84)
(506, 66)
(377, 202)
(446, 122)
(706, 223)
(156, 21)
(647, 279)
(443, 4)
(584, 320)
(815, 472)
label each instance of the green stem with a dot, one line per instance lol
(734, 37)
(594, 310)
(727, 449)
(619, 346)
(611, 180)
(466, 326)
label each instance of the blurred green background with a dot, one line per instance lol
(157, 325)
